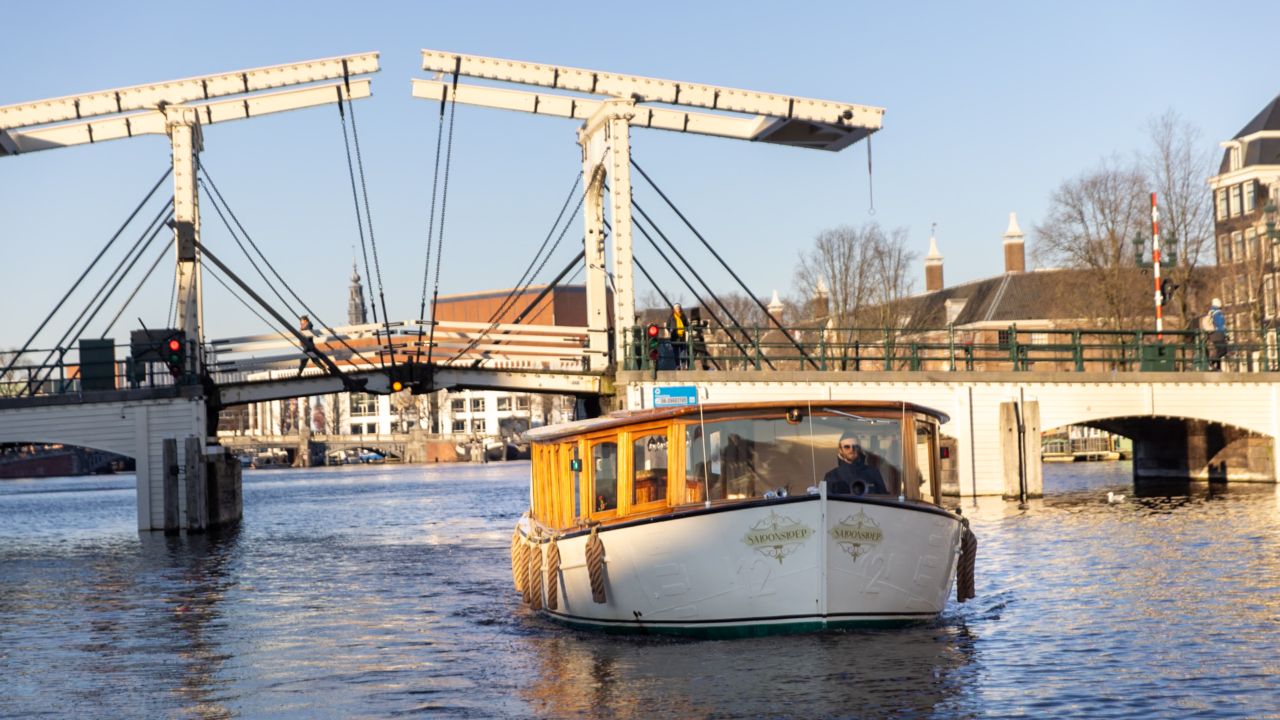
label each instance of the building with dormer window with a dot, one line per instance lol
(1247, 179)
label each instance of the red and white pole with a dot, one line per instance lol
(1155, 266)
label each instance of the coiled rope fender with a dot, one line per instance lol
(518, 564)
(535, 575)
(968, 559)
(553, 575)
(595, 566)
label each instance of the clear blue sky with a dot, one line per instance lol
(989, 106)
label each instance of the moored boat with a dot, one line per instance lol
(741, 519)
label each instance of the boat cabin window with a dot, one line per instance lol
(649, 468)
(926, 461)
(740, 457)
(575, 467)
(604, 476)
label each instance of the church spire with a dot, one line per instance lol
(355, 301)
(933, 264)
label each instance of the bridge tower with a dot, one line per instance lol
(604, 137)
(178, 109)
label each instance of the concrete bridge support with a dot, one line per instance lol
(1167, 449)
(137, 424)
(1020, 425)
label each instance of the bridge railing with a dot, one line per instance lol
(367, 347)
(988, 348)
(106, 366)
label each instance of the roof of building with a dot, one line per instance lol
(1265, 151)
(1003, 298)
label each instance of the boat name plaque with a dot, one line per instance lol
(777, 536)
(857, 534)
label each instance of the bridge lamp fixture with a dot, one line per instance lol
(1269, 215)
(1168, 251)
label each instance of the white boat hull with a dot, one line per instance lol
(787, 565)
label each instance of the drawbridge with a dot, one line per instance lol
(167, 383)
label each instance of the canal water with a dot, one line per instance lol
(384, 591)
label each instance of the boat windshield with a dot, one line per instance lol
(740, 457)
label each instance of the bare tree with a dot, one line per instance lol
(1177, 163)
(865, 273)
(1092, 223)
(15, 379)
(894, 264)
(335, 414)
(405, 405)
(744, 308)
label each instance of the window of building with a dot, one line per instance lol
(459, 426)
(1235, 157)
(1237, 246)
(458, 405)
(1269, 297)
(1002, 339)
(522, 402)
(477, 404)
(649, 468)
(1250, 202)
(1222, 203)
(1251, 242)
(364, 404)
(1235, 200)
(477, 425)
(1224, 249)
(504, 404)
(357, 428)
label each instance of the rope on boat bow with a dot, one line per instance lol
(519, 568)
(967, 560)
(535, 574)
(595, 566)
(553, 575)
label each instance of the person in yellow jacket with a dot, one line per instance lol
(678, 333)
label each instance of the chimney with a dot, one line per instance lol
(933, 267)
(1015, 258)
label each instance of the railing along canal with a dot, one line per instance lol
(956, 350)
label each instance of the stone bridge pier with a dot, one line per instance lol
(1174, 449)
(184, 479)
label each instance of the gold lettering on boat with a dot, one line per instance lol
(857, 534)
(777, 536)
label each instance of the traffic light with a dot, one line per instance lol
(651, 337)
(175, 354)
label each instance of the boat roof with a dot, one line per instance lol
(635, 417)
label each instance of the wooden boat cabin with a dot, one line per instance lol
(639, 464)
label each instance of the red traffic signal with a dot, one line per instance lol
(653, 330)
(174, 355)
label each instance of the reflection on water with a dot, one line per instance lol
(378, 591)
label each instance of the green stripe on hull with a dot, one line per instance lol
(733, 632)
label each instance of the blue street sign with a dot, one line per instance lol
(678, 396)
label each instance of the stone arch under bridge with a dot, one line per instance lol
(136, 428)
(1178, 448)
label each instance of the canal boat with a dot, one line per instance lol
(732, 520)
